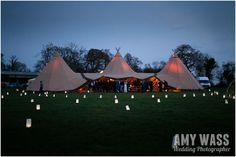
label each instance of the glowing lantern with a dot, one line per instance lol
(233, 97)
(17, 90)
(100, 96)
(2, 97)
(127, 107)
(28, 123)
(194, 95)
(209, 90)
(7, 93)
(203, 94)
(211, 94)
(77, 101)
(65, 92)
(153, 96)
(166, 96)
(33, 92)
(20, 94)
(224, 96)
(184, 95)
(116, 101)
(25, 93)
(132, 96)
(66, 96)
(53, 95)
(84, 96)
(226, 101)
(37, 107)
(158, 100)
(46, 95)
(115, 97)
(32, 100)
(39, 94)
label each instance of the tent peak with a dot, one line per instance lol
(57, 54)
(174, 55)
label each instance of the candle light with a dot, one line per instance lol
(194, 95)
(39, 94)
(77, 101)
(53, 95)
(37, 107)
(211, 94)
(100, 96)
(132, 96)
(33, 92)
(203, 94)
(66, 96)
(28, 123)
(209, 90)
(116, 101)
(115, 96)
(32, 100)
(153, 96)
(7, 93)
(158, 100)
(84, 96)
(166, 96)
(226, 101)
(65, 91)
(127, 107)
(184, 95)
(17, 90)
(2, 96)
(224, 96)
(233, 97)
(25, 93)
(20, 94)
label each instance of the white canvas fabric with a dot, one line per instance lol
(57, 76)
(177, 75)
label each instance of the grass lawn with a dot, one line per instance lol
(101, 127)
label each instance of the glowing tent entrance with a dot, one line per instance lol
(57, 76)
(177, 75)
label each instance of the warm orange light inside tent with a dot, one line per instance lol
(174, 68)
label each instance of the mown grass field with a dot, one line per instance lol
(101, 127)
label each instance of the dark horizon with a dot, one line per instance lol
(147, 30)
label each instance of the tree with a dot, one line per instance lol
(97, 60)
(15, 65)
(227, 73)
(72, 54)
(210, 64)
(3, 64)
(189, 56)
(155, 68)
(133, 62)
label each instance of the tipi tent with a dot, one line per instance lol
(177, 75)
(118, 69)
(57, 76)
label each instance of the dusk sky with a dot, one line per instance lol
(148, 30)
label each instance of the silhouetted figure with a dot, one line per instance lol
(165, 85)
(41, 87)
(151, 86)
(160, 86)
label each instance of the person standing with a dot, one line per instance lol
(41, 87)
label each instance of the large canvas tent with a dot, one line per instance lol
(177, 75)
(118, 69)
(57, 76)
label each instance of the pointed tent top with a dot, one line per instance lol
(57, 54)
(117, 54)
(174, 55)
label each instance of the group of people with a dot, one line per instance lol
(121, 86)
(163, 86)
